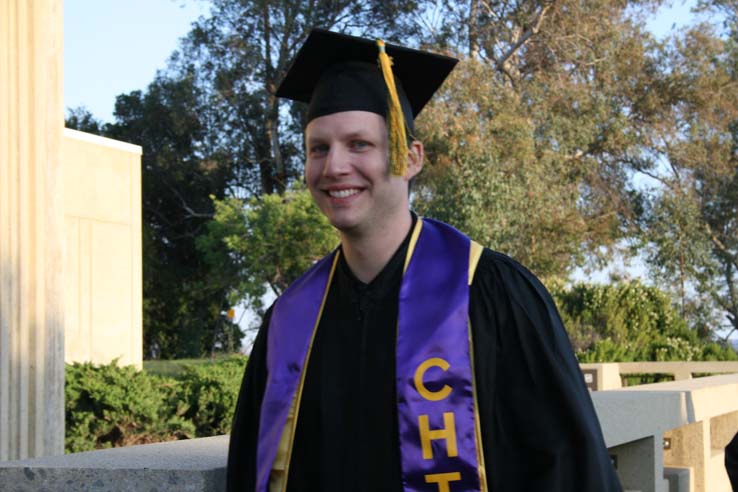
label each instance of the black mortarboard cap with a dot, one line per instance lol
(335, 72)
(420, 73)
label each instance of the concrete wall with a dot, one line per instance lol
(31, 229)
(695, 425)
(197, 465)
(102, 216)
(633, 425)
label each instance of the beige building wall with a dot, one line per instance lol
(102, 216)
(31, 229)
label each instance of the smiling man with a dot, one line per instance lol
(349, 178)
(411, 358)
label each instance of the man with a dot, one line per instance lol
(410, 359)
(731, 462)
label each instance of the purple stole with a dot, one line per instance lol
(440, 444)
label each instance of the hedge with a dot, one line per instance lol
(629, 321)
(110, 406)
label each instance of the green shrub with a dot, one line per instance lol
(207, 395)
(718, 351)
(630, 321)
(607, 350)
(109, 406)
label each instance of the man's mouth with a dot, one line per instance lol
(343, 193)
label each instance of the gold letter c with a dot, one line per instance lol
(420, 386)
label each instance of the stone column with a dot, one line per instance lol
(690, 447)
(31, 229)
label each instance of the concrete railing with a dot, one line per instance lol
(633, 426)
(709, 419)
(694, 418)
(196, 465)
(694, 443)
(609, 375)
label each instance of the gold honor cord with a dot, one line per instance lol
(413, 241)
(475, 253)
(278, 477)
(395, 118)
(477, 424)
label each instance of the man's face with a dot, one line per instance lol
(347, 171)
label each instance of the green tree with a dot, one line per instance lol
(529, 139)
(271, 240)
(83, 120)
(484, 177)
(183, 298)
(688, 226)
(240, 53)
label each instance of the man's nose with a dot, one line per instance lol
(336, 162)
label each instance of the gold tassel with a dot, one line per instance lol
(395, 118)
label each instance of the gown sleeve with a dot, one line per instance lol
(539, 428)
(241, 472)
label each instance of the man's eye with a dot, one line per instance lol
(359, 144)
(318, 149)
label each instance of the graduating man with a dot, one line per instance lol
(411, 358)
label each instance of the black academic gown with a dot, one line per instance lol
(539, 429)
(731, 462)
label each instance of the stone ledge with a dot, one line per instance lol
(627, 416)
(705, 397)
(197, 465)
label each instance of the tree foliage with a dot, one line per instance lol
(240, 54)
(528, 138)
(483, 174)
(81, 119)
(688, 225)
(271, 240)
(183, 299)
(210, 125)
(578, 112)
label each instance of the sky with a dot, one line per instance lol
(113, 47)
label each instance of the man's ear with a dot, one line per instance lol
(415, 156)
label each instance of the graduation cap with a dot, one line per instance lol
(335, 72)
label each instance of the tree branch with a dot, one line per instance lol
(190, 213)
(732, 258)
(727, 337)
(525, 36)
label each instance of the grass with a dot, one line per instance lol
(174, 368)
